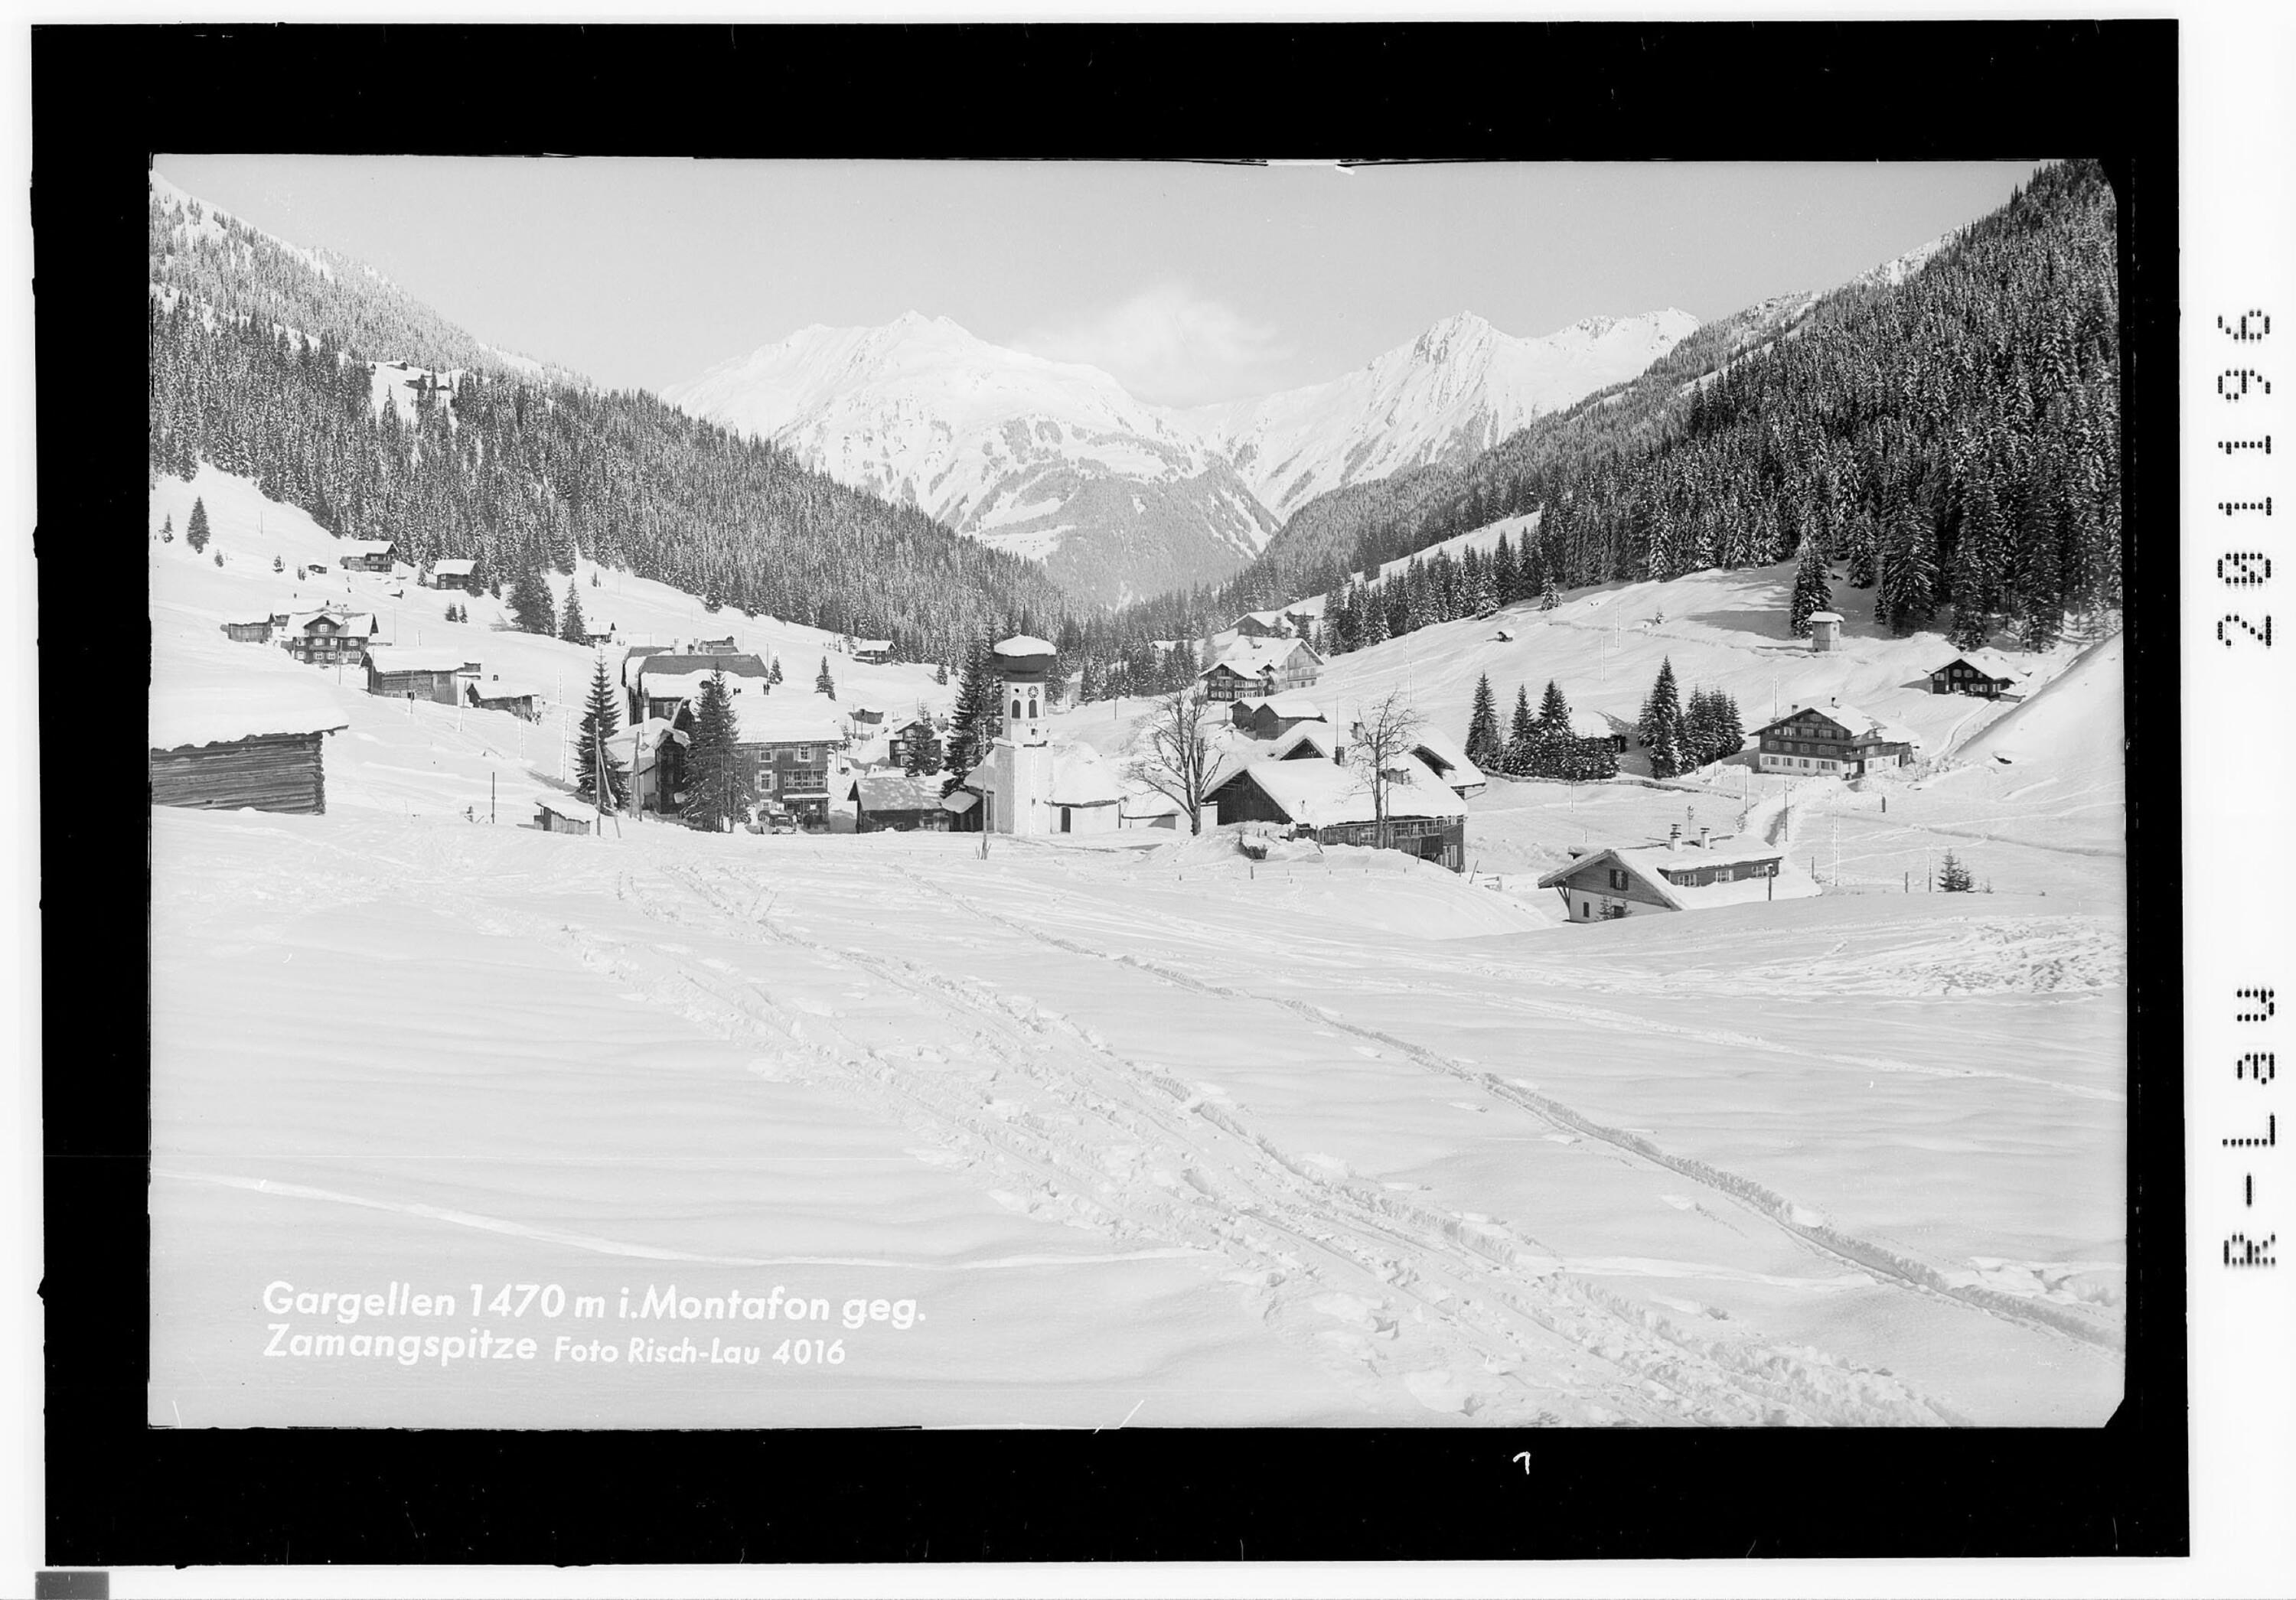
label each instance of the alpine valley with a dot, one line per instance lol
(1121, 499)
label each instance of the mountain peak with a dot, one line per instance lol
(1455, 334)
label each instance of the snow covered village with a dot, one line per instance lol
(1105, 910)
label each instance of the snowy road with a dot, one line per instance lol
(1163, 1132)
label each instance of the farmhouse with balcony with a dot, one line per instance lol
(875, 652)
(1260, 667)
(329, 638)
(1832, 739)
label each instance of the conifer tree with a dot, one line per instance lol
(571, 627)
(196, 531)
(823, 684)
(167, 528)
(1548, 597)
(1660, 727)
(1554, 747)
(969, 730)
(1908, 585)
(1813, 589)
(1953, 877)
(530, 604)
(717, 792)
(940, 673)
(594, 753)
(774, 672)
(1484, 748)
(1522, 735)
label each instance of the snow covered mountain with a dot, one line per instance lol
(1041, 458)
(1120, 498)
(1458, 389)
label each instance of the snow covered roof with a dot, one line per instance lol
(410, 658)
(459, 567)
(789, 719)
(895, 791)
(195, 705)
(959, 801)
(1024, 645)
(1431, 741)
(349, 622)
(1320, 736)
(1992, 663)
(1595, 725)
(687, 685)
(1250, 658)
(1855, 720)
(1826, 616)
(1653, 864)
(1081, 778)
(1322, 793)
(679, 663)
(354, 548)
(1298, 708)
(875, 644)
(570, 807)
(496, 689)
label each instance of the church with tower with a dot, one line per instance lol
(1027, 783)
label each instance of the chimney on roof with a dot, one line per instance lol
(1704, 835)
(1674, 836)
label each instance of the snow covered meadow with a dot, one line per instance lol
(1134, 1132)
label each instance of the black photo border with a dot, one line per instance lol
(121, 1493)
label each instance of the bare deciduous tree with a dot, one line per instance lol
(1382, 741)
(1181, 760)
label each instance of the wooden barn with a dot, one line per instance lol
(257, 632)
(1273, 717)
(875, 652)
(459, 573)
(225, 744)
(405, 672)
(493, 694)
(566, 814)
(892, 802)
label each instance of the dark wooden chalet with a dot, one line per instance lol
(917, 736)
(1334, 805)
(329, 638)
(368, 555)
(1260, 667)
(875, 652)
(1985, 673)
(1602, 886)
(662, 681)
(457, 573)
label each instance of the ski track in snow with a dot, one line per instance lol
(1072, 1128)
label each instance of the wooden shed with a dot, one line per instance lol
(403, 672)
(568, 815)
(220, 742)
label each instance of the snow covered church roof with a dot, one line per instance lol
(1024, 645)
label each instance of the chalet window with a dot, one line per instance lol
(1618, 877)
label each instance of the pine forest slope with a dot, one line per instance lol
(524, 473)
(1948, 425)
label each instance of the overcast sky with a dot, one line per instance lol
(1188, 283)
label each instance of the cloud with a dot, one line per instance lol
(1168, 345)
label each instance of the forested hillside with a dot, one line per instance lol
(1954, 438)
(522, 473)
